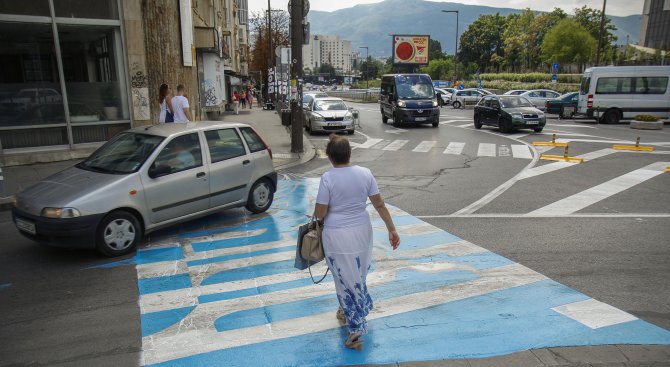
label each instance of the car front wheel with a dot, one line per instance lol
(478, 122)
(260, 196)
(457, 104)
(118, 234)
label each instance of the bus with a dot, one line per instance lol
(613, 93)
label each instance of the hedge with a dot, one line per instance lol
(504, 86)
(531, 77)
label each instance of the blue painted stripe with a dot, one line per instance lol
(406, 282)
(149, 256)
(241, 255)
(166, 283)
(250, 272)
(419, 241)
(268, 236)
(401, 220)
(479, 261)
(495, 324)
(156, 321)
(114, 264)
(258, 290)
(5, 286)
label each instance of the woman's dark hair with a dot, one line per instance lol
(162, 92)
(338, 149)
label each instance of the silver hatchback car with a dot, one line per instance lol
(148, 178)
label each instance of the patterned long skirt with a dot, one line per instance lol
(349, 257)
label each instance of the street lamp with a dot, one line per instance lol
(454, 11)
(367, 65)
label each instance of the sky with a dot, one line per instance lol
(614, 7)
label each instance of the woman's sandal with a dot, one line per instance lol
(340, 316)
(354, 341)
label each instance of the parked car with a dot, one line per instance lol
(508, 113)
(445, 93)
(308, 97)
(328, 115)
(28, 98)
(466, 97)
(148, 178)
(539, 96)
(515, 92)
(563, 106)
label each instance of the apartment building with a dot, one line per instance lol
(328, 49)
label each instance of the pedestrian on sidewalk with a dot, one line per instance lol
(180, 105)
(243, 99)
(236, 102)
(347, 233)
(165, 101)
(250, 98)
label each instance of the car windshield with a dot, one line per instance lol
(329, 105)
(414, 87)
(124, 154)
(513, 102)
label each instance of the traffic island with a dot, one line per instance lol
(646, 122)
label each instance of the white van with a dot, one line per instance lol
(620, 92)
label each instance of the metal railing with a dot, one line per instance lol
(356, 95)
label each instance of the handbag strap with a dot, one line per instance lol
(309, 265)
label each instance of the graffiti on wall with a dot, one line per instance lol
(141, 107)
(138, 80)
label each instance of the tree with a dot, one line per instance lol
(590, 19)
(482, 40)
(519, 39)
(568, 42)
(258, 28)
(326, 69)
(440, 69)
(435, 50)
(370, 69)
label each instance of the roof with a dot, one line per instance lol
(178, 128)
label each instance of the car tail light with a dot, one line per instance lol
(263, 141)
(589, 101)
(546, 104)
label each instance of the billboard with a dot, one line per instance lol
(410, 49)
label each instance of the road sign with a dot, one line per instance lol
(555, 68)
(554, 78)
(461, 87)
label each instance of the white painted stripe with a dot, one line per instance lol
(454, 148)
(486, 150)
(566, 125)
(594, 314)
(190, 337)
(396, 144)
(424, 146)
(551, 167)
(595, 194)
(574, 215)
(521, 151)
(464, 125)
(368, 143)
(504, 151)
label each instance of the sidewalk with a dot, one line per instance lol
(14, 179)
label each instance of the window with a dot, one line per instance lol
(181, 153)
(254, 141)
(614, 85)
(586, 84)
(224, 144)
(495, 103)
(651, 85)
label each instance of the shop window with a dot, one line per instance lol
(34, 7)
(26, 138)
(102, 9)
(96, 133)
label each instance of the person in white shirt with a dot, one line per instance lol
(180, 107)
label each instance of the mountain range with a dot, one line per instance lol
(372, 25)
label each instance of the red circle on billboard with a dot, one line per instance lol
(404, 50)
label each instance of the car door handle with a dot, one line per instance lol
(246, 161)
(200, 174)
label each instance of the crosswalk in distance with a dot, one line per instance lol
(521, 151)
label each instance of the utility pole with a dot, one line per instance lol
(297, 10)
(270, 52)
(600, 33)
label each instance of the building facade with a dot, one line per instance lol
(75, 73)
(328, 49)
(655, 28)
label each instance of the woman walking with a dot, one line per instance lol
(165, 100)
(347, 234)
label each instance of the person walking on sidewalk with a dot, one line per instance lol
(236, 102)
(180, 106)
(347, 233)
(165, 100)
(250, 98)
(243, 98)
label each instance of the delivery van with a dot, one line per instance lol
(408, 99)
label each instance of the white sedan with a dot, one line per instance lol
(538, 97)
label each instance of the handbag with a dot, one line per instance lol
(169, 117)
(309, 249)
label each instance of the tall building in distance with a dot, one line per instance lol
(328, 49)
(655, 29)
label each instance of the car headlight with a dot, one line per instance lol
(348, 117)
(318, 118)
(517, 115)
(60, 213)
(435, 103)
(402, 104)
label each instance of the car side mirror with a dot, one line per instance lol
(158, 171)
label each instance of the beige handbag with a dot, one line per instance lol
(311, 245)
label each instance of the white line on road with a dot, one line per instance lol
(521, 151)
(424, 146)
(368, 143)
(464, 125)
(504, 151)
(455, 148)
(595, 194)
(551, 167)
(561, 125)
(396, 144)
(574, 215)
(486, 150)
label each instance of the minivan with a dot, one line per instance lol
(408, 98)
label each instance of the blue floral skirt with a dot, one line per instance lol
(349, 257)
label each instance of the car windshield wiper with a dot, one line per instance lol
(96, 168)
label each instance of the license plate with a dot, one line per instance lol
(419, 119)
(334, 124)
(533, 122)
(25, 226)
(569, 110)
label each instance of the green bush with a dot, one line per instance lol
(651, 118)
(531, 77)
(504, 86)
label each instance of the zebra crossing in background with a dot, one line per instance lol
(228, 295)
(453, 148)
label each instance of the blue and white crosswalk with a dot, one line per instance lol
(230, 296)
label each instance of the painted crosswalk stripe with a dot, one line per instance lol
(551, 167)
(396, 144)
(424, 146)
(521, 151)
(464, 125)
(381, 144)
(455, 148)
(368, 143)
(486, 150)
(595, 194)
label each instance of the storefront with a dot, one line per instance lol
(62, 74)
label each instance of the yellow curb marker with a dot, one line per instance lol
(562, 158)
(637, 147)
(551, 143)
(667, 169)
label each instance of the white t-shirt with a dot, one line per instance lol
(178, 105)
(346, 190)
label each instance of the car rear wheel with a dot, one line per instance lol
(118, 233)
(538, 130)
(504, 127)
(457, 104)
(436, 124)
(260, 196)
(384, 118)
(350, 132)
(612, 117)
(478, 122)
